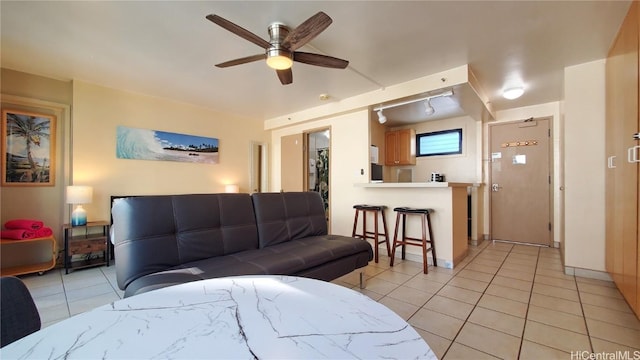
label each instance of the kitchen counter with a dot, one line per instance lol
(414, 185)
(449, 219)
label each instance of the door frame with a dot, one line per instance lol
(551, 176)
(259, 166)
(305, 183)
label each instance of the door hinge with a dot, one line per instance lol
(549, 177)
(549, 226)
(549, 132)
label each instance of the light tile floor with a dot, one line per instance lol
(503, 301)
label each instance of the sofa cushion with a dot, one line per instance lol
(157, 233)
(159, 280)
(285, 258)
(287, 216)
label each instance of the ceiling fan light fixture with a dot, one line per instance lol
(279, 59)
(428, 109)
(381, 118)
(513, 93)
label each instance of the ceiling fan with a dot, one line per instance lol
(280, 50)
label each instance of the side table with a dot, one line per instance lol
(14, 264)
(86, 243)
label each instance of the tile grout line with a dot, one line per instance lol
(526, 315)
(584, 316)
(476, 304)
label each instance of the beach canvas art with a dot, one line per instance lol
(145, 144)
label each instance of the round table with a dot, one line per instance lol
(265, 317)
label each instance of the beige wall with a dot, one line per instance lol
(584, 164)
(348, 155)
(21, 91)
(456, 168)
(99, 110)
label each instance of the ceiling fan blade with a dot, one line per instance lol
(238, 30)
(320, 60)
(243, 60)
(307, 31)
(285, 76)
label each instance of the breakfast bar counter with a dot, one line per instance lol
(449, 219)
(404, 185)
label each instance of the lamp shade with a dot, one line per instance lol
(79, 194)
(231, 188)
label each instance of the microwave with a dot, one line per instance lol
(376, 173)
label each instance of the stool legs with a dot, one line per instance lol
(355, 224)
(386, 234)
(375, 234)
(395, 241)
(425, 220)
(433, 244)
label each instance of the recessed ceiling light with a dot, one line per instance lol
(513, 93)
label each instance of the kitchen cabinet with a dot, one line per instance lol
(400, 147)
(622, 185)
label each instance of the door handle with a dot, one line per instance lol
(495, 187)
(610, 162)
(632, 154)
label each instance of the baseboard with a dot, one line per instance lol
(447, 264)
(586, 273)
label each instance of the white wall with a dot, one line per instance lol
(349, 155)
(584, 165)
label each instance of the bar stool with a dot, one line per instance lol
(375, 234)
(405, 240)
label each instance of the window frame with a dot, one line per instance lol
(434, 133)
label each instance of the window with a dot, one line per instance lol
(447, 142)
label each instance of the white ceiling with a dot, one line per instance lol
(168, 48)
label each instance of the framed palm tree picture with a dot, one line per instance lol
(28, 148)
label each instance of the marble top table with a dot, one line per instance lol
(247, 317)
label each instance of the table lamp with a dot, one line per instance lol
(231, 188)
(78, 195)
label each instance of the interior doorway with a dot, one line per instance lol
(317, 156)
(521, 181)
(258, 173)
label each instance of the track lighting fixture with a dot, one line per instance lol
(381, 118)
(427, 104)
(428, 109)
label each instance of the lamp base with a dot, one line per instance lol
(79, 216)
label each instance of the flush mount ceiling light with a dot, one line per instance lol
(429, 110)
(279, 58)
(381, 118)
(513, 93)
